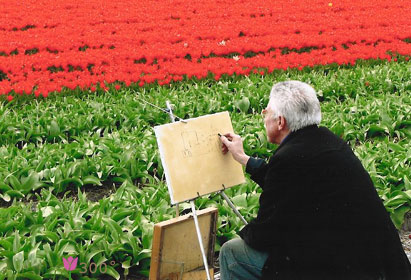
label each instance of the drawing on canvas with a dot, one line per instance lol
(191, 156)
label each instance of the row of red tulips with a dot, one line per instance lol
(70, 44)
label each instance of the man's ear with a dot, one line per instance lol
(282, 123)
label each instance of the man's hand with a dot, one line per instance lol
(234, 144)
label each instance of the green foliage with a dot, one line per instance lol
(388, 165)
(76, 139)
(117, 229)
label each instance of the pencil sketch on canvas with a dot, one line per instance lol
(191, 156)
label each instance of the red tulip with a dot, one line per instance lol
(221, 37)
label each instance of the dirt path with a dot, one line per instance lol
(405, 237)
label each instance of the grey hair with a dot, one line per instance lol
(297, 102)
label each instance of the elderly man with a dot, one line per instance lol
(320, 216)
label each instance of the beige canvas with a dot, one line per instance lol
(192, 159)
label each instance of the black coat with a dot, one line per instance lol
(320, 216)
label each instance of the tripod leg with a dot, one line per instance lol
(200, 240)
(233, 207)
(177, 211)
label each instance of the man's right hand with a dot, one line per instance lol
(234, 144)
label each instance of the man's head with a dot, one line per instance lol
(292, 106)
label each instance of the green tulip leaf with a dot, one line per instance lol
(18, 260)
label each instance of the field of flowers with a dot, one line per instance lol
(57, 152)
(80, 173)
(94, 43)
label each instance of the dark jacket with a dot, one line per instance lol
(320, 216)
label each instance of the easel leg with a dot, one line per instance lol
(233, 207)
(200, 240)
(173, 119)
(177, 211)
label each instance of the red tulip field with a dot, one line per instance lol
(84, 83)
(46, 47)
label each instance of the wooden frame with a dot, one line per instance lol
(176, 252)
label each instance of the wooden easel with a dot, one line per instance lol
(196, 221)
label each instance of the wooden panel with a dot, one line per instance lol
(198, 275)
(175, 248)
(193, 275)
(192, 159)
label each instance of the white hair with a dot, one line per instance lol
(297, 102)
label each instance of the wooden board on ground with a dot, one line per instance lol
(193, 275)
(176, 252)
(192, 159)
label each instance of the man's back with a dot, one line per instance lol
(320, 215)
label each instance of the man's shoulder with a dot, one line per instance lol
(313, 135)
(309, 142)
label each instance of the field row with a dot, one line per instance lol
(64, 119)
(111, 42)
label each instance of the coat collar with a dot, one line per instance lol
(294, 134)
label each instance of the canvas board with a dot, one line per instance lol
(176, 252)
(191, 156)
